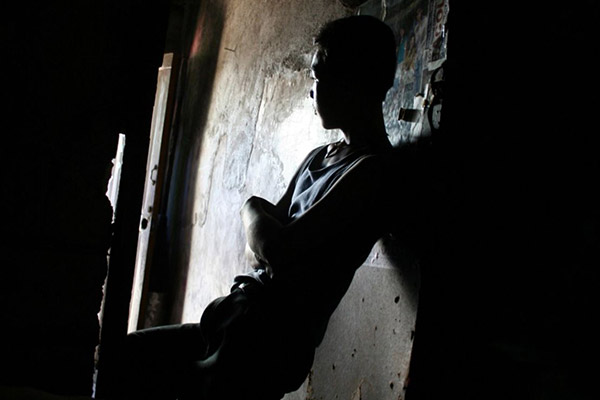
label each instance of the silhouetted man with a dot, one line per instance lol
(259, 341)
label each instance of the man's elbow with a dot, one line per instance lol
(263, 241)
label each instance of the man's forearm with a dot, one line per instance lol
(261, 228)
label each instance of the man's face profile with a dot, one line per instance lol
(329, 93)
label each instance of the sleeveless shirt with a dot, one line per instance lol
(313, 181)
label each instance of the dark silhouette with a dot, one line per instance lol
(259, 341)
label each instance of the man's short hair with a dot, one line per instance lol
(361, 48)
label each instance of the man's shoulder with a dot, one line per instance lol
(374, 162)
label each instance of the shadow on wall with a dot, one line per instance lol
(196, 93)
(423, 186)
(406, 263)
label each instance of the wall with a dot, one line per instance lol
(246, 123)
(508, 281)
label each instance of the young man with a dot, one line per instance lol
(259, 341)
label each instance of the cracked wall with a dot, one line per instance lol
(247, 135)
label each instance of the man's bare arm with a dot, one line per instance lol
(256, 207)
(260, 224)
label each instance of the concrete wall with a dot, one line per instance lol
(247, 122)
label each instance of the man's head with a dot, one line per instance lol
(361, 49)
(353, 67)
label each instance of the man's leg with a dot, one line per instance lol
(256, 351)
(156, 361)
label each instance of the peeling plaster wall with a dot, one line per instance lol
(247, 132)
(259, 125)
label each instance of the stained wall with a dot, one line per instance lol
(247, 122)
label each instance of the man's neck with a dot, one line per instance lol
(367, 130)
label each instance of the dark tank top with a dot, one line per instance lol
(314, 181)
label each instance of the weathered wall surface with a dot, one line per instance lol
(246, 134)
(366, 350)
(256, 126)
